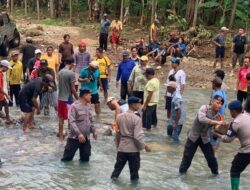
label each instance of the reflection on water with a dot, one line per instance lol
(33, 161)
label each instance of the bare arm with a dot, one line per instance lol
(73, 90)
(150, 94)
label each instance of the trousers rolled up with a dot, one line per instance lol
(133, 160)
(149, 117)
(189, 151)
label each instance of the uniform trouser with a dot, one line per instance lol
(239, 164)
(189, 151)
(133, 162)
(14, 92)
(71, 148)
(103, 40)
(149, 117)
(241, 95)
(124, 91)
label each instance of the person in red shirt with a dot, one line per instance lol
(4, 66)
(242, 82)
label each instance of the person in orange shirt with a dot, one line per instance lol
(4, 66)
(52, 59)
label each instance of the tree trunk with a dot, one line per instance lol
(190, 11)
(58, 7)
(126, 14)
(8, 6)
(38, 9)
(174, 6)
(233, 14)
(142, 12)
(51, 6)
(11, 6)
(197, 2)
(25, 8)
(121, 15)
(70, 9)
(153, 13)
(90, 4)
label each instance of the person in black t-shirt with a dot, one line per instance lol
(238, 49)
(32, 61)
(28, 52)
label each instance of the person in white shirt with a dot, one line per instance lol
(179, 76)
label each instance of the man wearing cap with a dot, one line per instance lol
(154, 31)
(48, 98)
(66, 86)
(151, 99)
(104, 32)
(179, 76)
(208, 116)
(220, 42)
(129, 140)
(137, 79)
(105, 71)
(52, 59)
(28, 99)
(239, 49)
(4, 67)
(178, 112)
(82, 60)
(124, 70)
(89, 79)
(242, 83)
(28, 52)
(238, 128)
(32, 61)
(15, 77)
(66, 50)
(80, 127)
(116, 29)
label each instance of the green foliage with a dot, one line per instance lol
(179, 21)
(56, 22)
(209, 4)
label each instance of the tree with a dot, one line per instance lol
(38, 9)
(197, 2)
(153, 13)
(190, 11)
(25, 8)
(70, 9)
(51, 6)
(233, 13)
(121, 12)
(142, 12)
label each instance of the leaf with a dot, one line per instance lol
(222, 20)
(242, 15)
(209, 4)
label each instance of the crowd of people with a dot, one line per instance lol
(72, 81)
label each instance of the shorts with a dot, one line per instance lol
(3, 103)
(220, 52)
(105, 84)
(26, 106)
(95, 99)
(239, 57)
(168, 103)
(114, 40)
(63, 108)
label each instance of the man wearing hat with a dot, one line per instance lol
(28, 99)
(82, 60)
(137, 79)
(105, 71)
(178, 112)
(238, 128)
(89, 79)
(124, 70)
(208, 116)
(32, 61)
(151, 99)
(15, 77)
(80, 127)
(175, 74)
(104, 32)
(4, 67)
(129, 140)
(220, 42)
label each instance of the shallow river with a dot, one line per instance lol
(33, 161)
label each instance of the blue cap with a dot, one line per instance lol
(133, 100)
(235, 105)
(175, 60)
(125, 53)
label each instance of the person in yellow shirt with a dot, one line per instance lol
(15, 77)
(116, 28)
(105, 71)
(52, 59)
(154, 31)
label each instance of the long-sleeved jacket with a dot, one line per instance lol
(80, 120)
(131, 137)
(201, 124)
(124, 71)
(239, 128)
